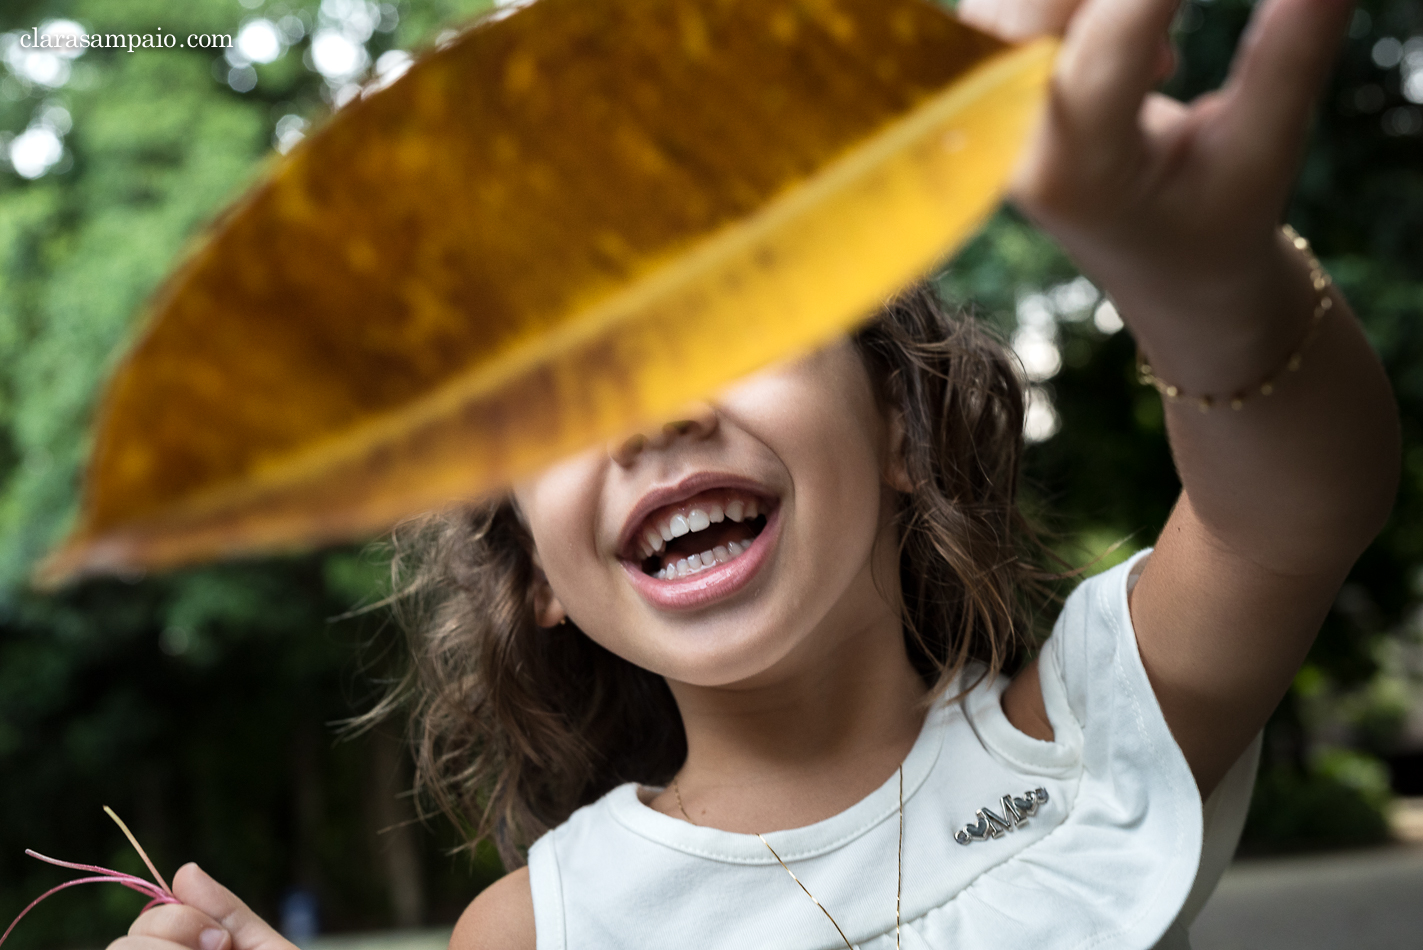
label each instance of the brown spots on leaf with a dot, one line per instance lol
(904, 25)
(696, 41)
(505, 148)
(785, 25)
(361, 255)
(640, 152)
(520, 73)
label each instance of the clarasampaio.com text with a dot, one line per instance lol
(132, 42)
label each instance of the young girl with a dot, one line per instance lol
(739, 681)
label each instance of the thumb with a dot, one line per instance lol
(194, 887)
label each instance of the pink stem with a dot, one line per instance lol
(137, 847)
(159, 894)
(118, 876)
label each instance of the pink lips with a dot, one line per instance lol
(711, 584)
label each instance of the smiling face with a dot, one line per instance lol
(738, 546)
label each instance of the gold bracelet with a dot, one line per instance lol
(1321, 283)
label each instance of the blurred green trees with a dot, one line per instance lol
(199, 704)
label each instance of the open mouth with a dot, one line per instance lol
(710, 528)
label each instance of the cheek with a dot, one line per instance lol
(822, 421)
(836, 473)
(828, 431)
(560, 507)
(839, 494)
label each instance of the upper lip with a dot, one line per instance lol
(680, 491)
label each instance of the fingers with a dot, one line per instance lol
(249, 932)
(1278, 72)
(183, 925)
(144, 943)
(1111, 59)
(1018, 19)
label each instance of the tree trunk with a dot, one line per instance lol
(396, 843)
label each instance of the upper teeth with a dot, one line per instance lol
(655, 537)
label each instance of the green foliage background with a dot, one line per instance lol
(198, 704)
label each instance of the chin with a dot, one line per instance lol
(726, 653)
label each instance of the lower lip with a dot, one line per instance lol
(713, 584)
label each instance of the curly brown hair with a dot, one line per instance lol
(515, 726)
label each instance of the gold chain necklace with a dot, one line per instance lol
(898, 887)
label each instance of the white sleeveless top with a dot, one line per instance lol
(1119, 854)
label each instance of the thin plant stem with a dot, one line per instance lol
(139, 848)
(159, 892)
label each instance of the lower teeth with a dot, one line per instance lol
(696, 563)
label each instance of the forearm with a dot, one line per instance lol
(1170, 207)
(1298, 481)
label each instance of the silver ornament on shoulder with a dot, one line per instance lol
(1013, 812)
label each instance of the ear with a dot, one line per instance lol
(896, 471)
(548, 610)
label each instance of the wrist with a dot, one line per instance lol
(1225, 335)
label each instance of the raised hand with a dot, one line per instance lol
(210, 918)
(1173, 207)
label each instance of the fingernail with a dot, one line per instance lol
(213, 938)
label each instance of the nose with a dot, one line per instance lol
(696, 421)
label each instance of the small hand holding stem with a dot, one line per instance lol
(210, 917)
(197, 913)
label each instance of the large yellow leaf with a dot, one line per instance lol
(564, 223)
